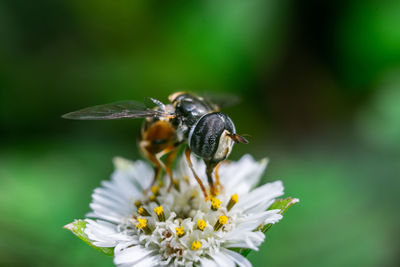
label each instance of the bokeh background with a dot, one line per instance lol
(320, 89)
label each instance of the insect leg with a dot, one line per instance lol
(210, 166)
(167, 167)
(157, 163)
(170, 160)
(218, 185)
(187, 154)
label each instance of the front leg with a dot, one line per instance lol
(187, 154)
(210, 166)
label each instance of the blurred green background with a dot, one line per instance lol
(320, 89)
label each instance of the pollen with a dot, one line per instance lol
(196, 245)
(138, 203)
(159, 210)
(215, 203)
(222, 220)
(179, 231)
(201, 224)
(160, 213)
(142, 223)
(142, 211)
(155, 189)
(234, 199)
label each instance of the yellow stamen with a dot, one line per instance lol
(222, 220)
(176, 184)
(196, 245)
(159, 210)
(153, 198)
(155, 189)
(138, 203)
(234, 199)
(186, 179)
(215, 203)
(142, 224)
(201, 224)
(160, 213)
(161, 183)
(179, 231)
(142, 211)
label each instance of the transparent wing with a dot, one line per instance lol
(114, 111)
(221, 100)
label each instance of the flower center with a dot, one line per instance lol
(177, 220)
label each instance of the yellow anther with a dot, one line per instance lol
(201, 224)
(222, 219)
(142, 223)
(138, 203)
(158, 210)
(160, 213)
(153, 198)
(215, 203)
(155, 189)
(176, 184)
(179, 231)
(161, 183)
(196, 245)
(186, 179)
(142, 211)
(234, 199)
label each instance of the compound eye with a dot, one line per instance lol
(205, 135)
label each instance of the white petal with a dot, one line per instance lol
(249, 240)
(259, 197)
(239, 177)
(103, 234)
(273, 217)
(205, 262)
(104, 213)
(236, 257)
(223, 260)
(255, 220)
(132, 177)
(129, 255)
(148, 261)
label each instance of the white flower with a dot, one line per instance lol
(178, 227)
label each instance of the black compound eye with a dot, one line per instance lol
(205, 134)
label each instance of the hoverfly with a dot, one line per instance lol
(209, 134)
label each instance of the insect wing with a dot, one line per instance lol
(114, 111)
(221, 100)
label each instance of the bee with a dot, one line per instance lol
(188, 118)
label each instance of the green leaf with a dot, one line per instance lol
(282, 205)
(78, 227)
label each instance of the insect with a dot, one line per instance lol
(188, 118)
